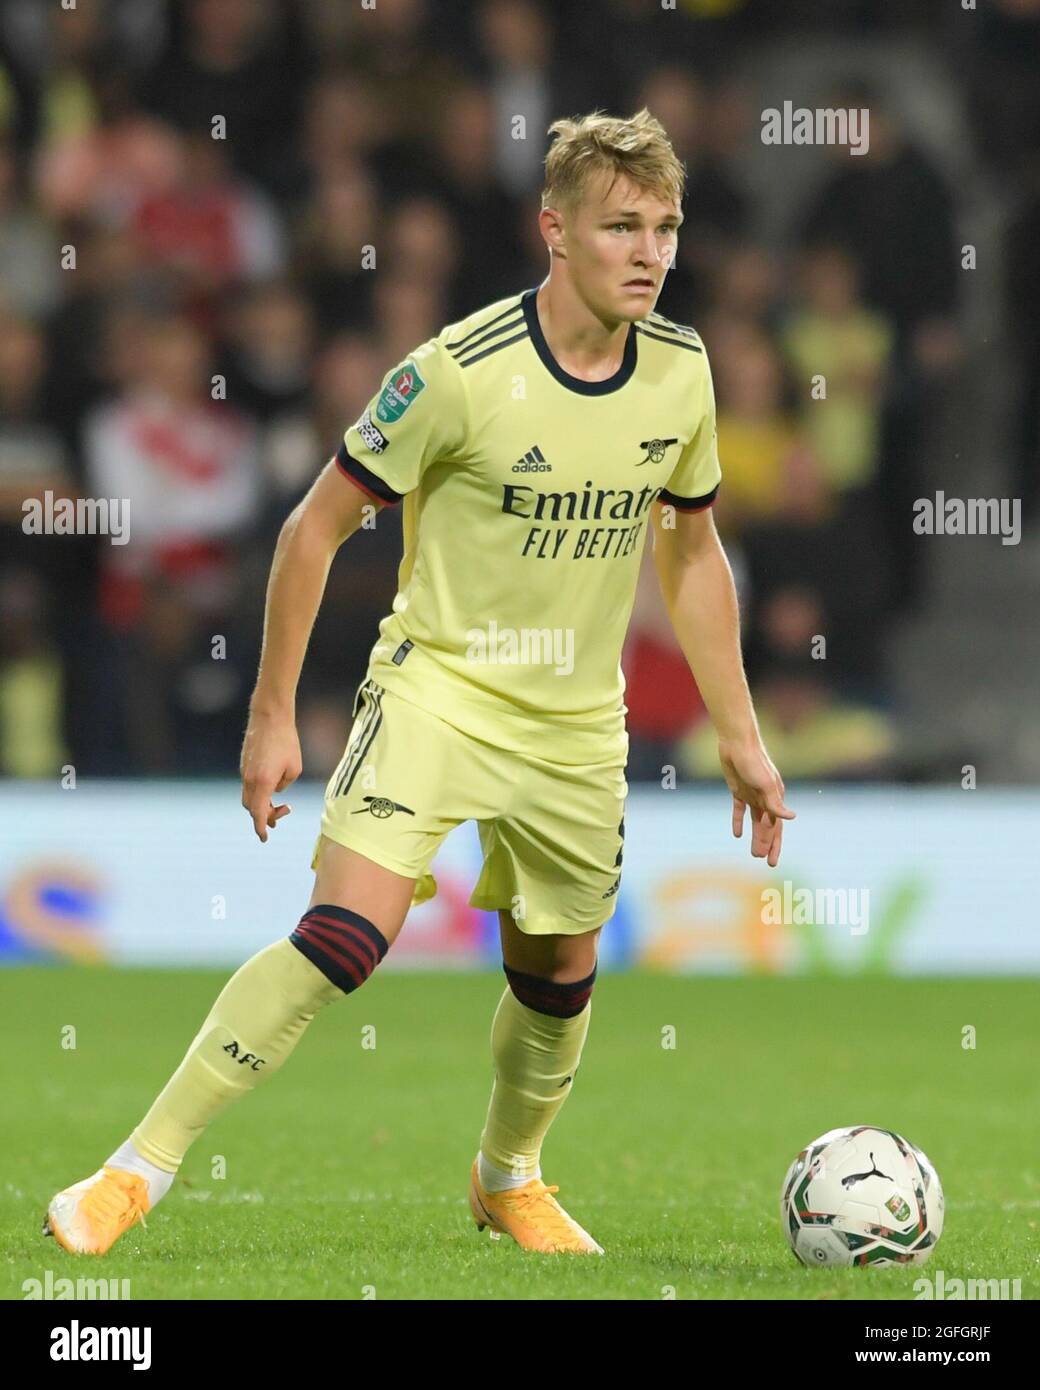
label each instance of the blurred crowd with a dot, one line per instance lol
(222, 221)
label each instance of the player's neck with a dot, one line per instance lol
(581, 342)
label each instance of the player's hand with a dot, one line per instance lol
(271, 760)
(756, 787)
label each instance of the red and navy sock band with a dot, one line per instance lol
(548, 996)
(345, 946)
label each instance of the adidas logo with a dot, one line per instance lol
(533, 462)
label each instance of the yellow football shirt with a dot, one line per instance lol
(527, 495)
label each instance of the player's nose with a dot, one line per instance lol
(647, 253)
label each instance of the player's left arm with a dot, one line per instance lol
(699, 594)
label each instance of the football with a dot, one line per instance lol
(861, 1196)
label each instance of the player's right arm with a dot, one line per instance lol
(418, 415)
(332, 510)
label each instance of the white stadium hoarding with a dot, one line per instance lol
(882, 879)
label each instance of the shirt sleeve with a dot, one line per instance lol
(695, 480)
(417, 416)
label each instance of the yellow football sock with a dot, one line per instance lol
(536, 1056)
(257, 1020)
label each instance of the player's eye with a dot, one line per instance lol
(623, 225)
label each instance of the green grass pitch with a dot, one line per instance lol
(346, 1173)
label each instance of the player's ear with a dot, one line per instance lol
(552, 228)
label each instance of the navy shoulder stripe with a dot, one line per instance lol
(470, 357)
(659, 321)
(483, 327)
(674, 339)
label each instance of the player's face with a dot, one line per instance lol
(621, 243)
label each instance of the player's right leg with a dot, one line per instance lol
(356, 911)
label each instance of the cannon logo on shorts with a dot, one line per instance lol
(382, 807)
(399, 392)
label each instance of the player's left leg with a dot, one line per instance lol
(537, 1036)
(557, 860)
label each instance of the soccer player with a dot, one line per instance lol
(532, 446)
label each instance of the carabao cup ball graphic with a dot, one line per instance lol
(861, 1196)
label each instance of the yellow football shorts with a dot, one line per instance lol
(552, 834)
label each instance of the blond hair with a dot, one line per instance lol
(586, 146)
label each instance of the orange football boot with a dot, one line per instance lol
(531, 1215)
(88, 1218)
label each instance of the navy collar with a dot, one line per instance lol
(575, 383)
